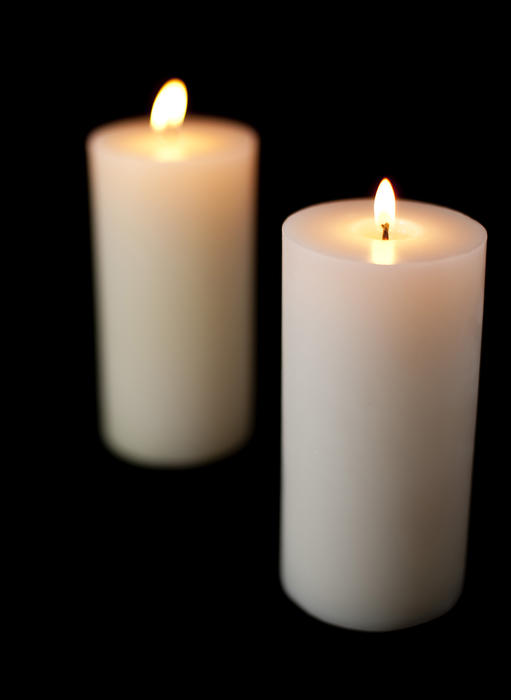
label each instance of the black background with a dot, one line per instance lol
(188, 559)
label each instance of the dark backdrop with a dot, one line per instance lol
(191, 557)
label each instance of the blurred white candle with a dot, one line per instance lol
(381, 346)
(173, 218)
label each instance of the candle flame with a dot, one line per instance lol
(384, 206)
(169, 106)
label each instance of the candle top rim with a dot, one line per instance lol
(345, 230)
(199, 138)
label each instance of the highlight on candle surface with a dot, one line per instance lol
(169, 106)
(383, 252)
(385, 208)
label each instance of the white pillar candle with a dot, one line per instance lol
(381, 346)
(173, 219)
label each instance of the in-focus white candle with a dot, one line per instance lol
(173, 218)
(381, 347)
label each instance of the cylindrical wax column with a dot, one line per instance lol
(173, 219)
(381, 345)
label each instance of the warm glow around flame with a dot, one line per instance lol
(169, 107)
(384, 206)
(383, 252)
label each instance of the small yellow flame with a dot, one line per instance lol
(169, 106)
(384, 206)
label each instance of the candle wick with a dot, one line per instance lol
(385, 228)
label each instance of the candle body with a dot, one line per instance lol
(173, 221)
(380, 379)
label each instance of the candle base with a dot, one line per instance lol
(144, 461)
(342, 619)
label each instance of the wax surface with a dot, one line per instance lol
(422, 232)
(380, 379)
(199, 139)
(173, 225)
